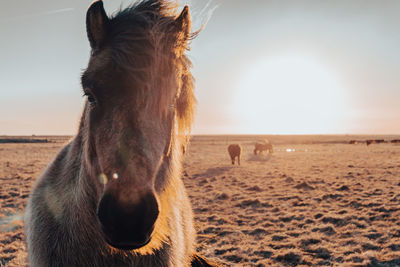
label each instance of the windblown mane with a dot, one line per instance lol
(140, 38)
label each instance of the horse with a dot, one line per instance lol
(234, 151)
(113, 196)
(263, 145)
(370, 141)
(353, 142)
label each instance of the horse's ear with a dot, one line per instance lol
(183, 24)
(96, 24)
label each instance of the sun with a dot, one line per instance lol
(289, 94)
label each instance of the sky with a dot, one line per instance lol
(261, 66)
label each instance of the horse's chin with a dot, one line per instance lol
(127, 246)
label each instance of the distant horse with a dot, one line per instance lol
(369, 141)
(113, 196)
(263, 145)
(353, 142)
(235, 151)
(394, 141)
(379, 141)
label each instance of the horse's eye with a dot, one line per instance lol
(90, 98)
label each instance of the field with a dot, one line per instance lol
(316, 201)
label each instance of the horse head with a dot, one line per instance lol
(139, 104)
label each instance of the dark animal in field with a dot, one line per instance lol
(368, 142)
(262, 145)
(235, 151)
(353, 142)
(379, 141)
(113, 196)
(395, 141)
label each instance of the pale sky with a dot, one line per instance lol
(262, 67)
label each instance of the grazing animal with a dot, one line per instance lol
(395, 141)
(263, 145)
(235, 151)
(113, 196)
(353, 142)
(379, 141)
(369, 141)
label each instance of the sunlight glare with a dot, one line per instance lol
(103, 179)
(290, 94)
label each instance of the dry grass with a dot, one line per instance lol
(325, 203)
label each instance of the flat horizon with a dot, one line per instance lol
(228, 134)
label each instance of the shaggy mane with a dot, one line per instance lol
(140, 38)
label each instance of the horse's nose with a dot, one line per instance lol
(128, 225)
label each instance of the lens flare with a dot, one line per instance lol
(103, 178)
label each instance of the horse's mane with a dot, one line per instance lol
(144, 40)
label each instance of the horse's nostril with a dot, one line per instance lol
(127, 224)
(105, 209)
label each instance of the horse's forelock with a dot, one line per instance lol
(145, 41)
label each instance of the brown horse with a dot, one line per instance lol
(263, 145)
(235, 151)
(370, 141)
(113, 196)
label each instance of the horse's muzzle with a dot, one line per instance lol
(127, 225)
